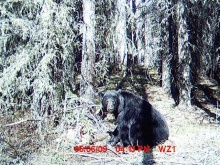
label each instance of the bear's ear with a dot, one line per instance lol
(101, 94)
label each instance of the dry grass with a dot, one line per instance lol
(195, 141)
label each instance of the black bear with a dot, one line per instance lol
(138, 122)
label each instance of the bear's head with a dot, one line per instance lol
(111, 103)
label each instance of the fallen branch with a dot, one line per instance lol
(19, 122)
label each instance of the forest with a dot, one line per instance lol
(56, 55)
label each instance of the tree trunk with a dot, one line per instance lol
(166, 49)
(210, 27)
(140, 34)
(148, 41)
(88, 50)
(184, 57)
(121, 32)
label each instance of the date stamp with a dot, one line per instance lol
(90, 148)
(122, 149)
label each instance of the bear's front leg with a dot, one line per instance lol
(114, 137)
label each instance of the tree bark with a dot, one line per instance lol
(209, 30)
(140, 33)
(88, 50)
(184, 57)
(121, 32)
(166, 43)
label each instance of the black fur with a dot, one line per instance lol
(138, 122)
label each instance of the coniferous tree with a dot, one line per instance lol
(88, 50)
(121, 32)
(184, 56)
